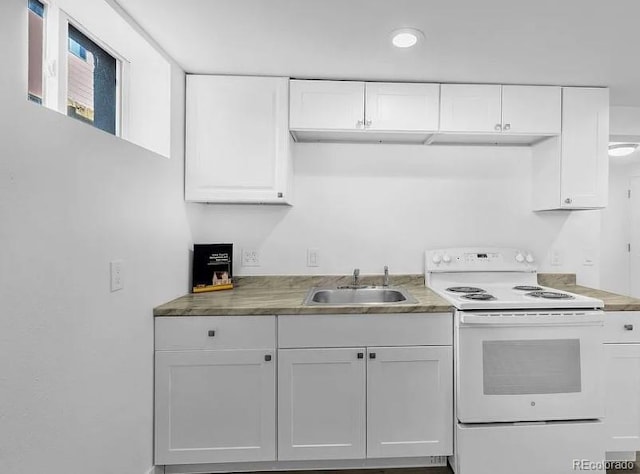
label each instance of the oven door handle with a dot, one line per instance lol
(473, 320)
(530, 325)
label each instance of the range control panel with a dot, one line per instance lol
(479, 260)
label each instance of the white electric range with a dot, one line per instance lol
(528, 364)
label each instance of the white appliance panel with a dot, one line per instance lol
(529, 370)
(550, 448)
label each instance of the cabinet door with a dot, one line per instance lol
(321, 404)
(237, 139)
(622, 417)
(326, 105)
(402, 107)
(533, 110)
(409, 401)
(585, 139)
(215, 406)
(470, 108)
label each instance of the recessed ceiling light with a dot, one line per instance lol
(406, 37)
(622, 149)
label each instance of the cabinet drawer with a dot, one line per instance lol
(622, 326)
(363, 330)
(215, 332)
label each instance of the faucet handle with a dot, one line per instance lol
(386, 269)
(356, 272)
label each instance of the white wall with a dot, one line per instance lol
(368, 206)
(76, 361)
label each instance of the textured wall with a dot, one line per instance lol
(76, 361)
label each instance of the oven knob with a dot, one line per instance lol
(446, 258)
(437, 258)
(519, 258)
(529, 258)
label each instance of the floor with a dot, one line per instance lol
(424, 470)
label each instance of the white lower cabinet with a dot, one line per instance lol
(346, 388)
(321, 404)
(409, 401)
(215, 406)
(398, 399)
(622, 418)
(215, 389)
(622, 382)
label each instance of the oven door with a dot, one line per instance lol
(521, 366)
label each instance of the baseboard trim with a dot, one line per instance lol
(380, 463)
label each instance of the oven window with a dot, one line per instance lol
(531, 366)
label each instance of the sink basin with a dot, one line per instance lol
(372, 295)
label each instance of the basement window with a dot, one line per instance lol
(92, 82)
(86, 61)
(35, 91)
(69, 71)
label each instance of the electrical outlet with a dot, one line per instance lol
(556, 257)
(117, 275)
(250, 258)
(313, 258)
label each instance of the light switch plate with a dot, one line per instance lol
(117, 275)
(313, 257)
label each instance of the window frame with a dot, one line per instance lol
(56, 71)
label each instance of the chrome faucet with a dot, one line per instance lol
(385, 278)
(356, 277)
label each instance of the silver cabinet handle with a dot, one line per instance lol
(360, 355)
(498, 127)
(507, 126)
(280, 195)
(568, 201)
(367, 123)
(359, 123)
(211, 333)
(628, 327)
(267, 358)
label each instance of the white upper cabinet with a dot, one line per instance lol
(470, 108)
(365, 112)
(327, 105)
(476, 113)
(585, 141)
(406, 107)
(237, 139)
(532, 109)
(571, 171)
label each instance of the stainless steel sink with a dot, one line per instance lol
(366, 295)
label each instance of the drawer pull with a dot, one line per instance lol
(372, 355)
(360, 355)
(211, 333)
(628, 327)
(267, 358)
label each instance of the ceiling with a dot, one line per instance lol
(563, 42)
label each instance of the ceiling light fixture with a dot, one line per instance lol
(622, 149)
(406, 37)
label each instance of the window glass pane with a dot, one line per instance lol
(92, 82)
(531, 366)
(36, 50)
